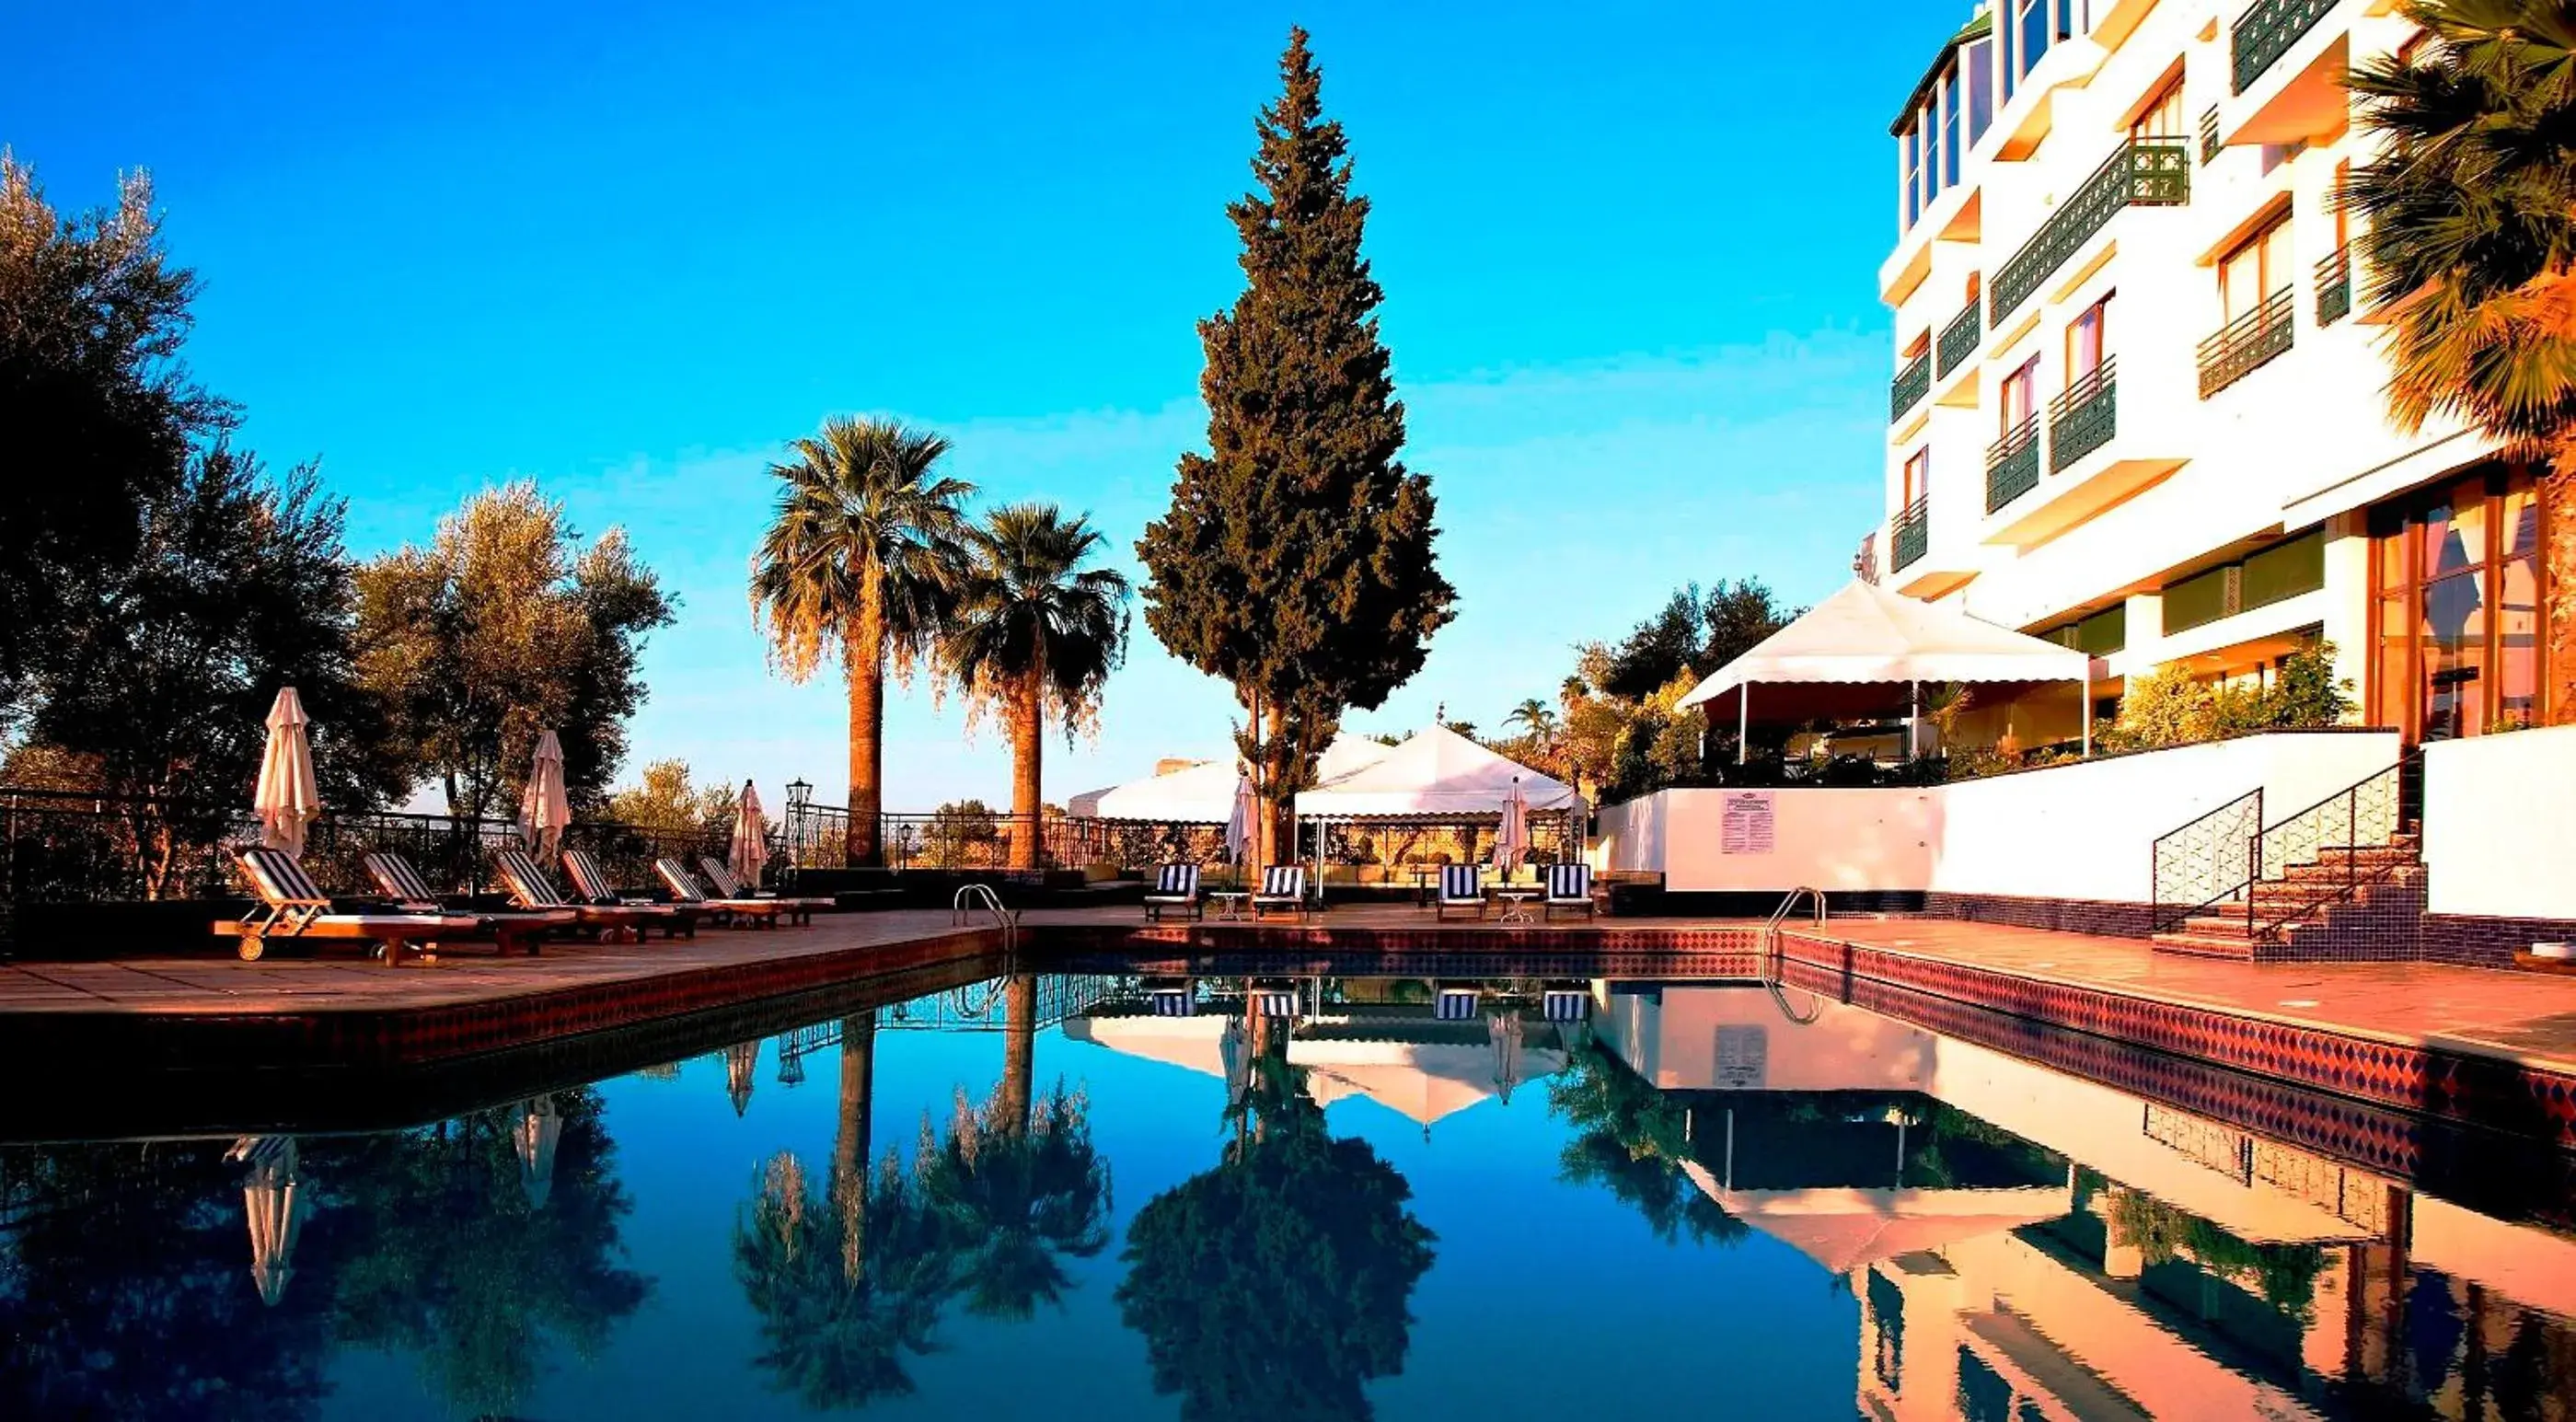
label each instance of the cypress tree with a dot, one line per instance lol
(1296, 560)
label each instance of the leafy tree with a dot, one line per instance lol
(504, 627)
(1275, 1285)
(859, 560)
(1535, 718)
(1296, 559)
(1694, 634)
(663, 799)
(1631, 1141)
(2471, 245)
(1035, 633)
(237, 586)
(99, 413)
(961, 834)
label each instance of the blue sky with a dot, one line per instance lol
(630, 252)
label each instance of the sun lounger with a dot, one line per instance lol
(592, 887)
(1566, 1004)
(686, 892)
(1283, 886)
(292, 906)
(522, 929)
(1457, 1004)
(1569, 886)
(1461, 887)
(1273, 1000)
(1172, 997)
(530, 888)
(727, 886)
(1176, 890)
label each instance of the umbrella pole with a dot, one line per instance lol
(2086, 710)
(1913, 721)
(1743, 720)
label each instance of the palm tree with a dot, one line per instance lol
(1036, 633)
(1019, 1196)
(2472, 244)
(860, 559)
(1535, 719)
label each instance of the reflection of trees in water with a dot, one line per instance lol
(1020, 1198)
(1276, 1284)
(128, 1290)
(449, 1259)
(2284, 1275)
(845, 1280)
(1630, 1140)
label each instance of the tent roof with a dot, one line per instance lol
(1421, 1082)
(1435, 772)
(1844, 1229)
(1204, 793)
(1867, 634)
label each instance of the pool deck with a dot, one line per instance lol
(2448, 1040)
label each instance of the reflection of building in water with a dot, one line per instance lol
(1426, 1054)
(2028, 1245)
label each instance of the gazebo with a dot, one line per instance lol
(1436, 778)
(1845, 657)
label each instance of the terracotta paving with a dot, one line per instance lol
(2526, 1017)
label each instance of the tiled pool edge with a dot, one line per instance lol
(2460, 1083)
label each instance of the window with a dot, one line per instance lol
(2161, 117)
(2031, 31)
(1912, 144)
(1918, 477)
(2455, 640)
(1977, 62)
(2257, 268)
(2103, 634)
(2276, 574)
(2087, 340)
(2021, 397)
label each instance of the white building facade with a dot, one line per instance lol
(2137, 397)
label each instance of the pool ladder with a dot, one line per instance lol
(1774, 958)
(971, 897)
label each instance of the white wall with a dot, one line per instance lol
(2073, 832)
(2500, 824)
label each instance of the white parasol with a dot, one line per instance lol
(750, 847)
(287, 799)
(544, 807)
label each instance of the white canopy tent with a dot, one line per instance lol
(1827, 662)
(1204, 793)
(1435, 774)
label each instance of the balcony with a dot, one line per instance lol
(1909, 387)
(1960, 339)
(2244, 344)
(2334, 286)
(2083, 417)
(2012, 464)
(2266, 31)
(1912, 535)
(2143, 172)
(2209, 144)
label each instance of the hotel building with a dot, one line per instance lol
(2136, 403)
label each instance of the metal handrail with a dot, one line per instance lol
(970, 897)
(2212, 884)
(1773, 960)
(2270, 852)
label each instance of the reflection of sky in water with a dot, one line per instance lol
(1544, 1296)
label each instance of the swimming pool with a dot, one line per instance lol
(1077, 1195)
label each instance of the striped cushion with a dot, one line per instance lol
(1283, 881)
(1569, 882)
(1459, 882)
(1174, 1002)
(1177, 881)
(1456, 1004)
(279, 879)
(401, 882)
(1566, 1004)
(675, 877)
(721, 875)
(588, 879)
(529, 882)
(1274, 1002)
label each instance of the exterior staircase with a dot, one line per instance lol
(2311, 907)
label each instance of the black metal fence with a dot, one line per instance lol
(65, 847)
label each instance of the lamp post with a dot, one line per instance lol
(800, 793)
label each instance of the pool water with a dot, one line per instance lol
(1078, 1196)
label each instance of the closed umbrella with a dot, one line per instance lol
(742, 1069)
(1503, 1031)
(287, 799)
(750, 839)
(1512, 840)
(1234, 1052)
(544, 807)
(276, 1207)
(533, 1134)
(1238, 824)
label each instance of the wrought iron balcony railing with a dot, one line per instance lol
(2209, 144)
(1959, 339)
(2265, 32)
(2012, 464)
(2334, 286)
(1912, 535)
(2083, 417)
(2143, 172)
(1909, 387)
(2245, 343)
